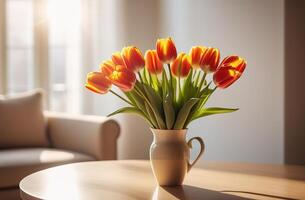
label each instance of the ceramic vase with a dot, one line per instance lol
(170, 156)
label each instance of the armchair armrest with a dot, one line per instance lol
(93, 135)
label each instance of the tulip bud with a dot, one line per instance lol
(133, 58)
(196, 54)
(230, 69)
(98, 82)
(181, 66)
(166, 50)
(210, 60)
(123, 78)
(152, 62)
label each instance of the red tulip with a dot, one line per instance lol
(166, 50)
(133, 58)
(210, 60)
(230, 69)
(98, 82)
(181, 66)
(153, 63)
(196, 54)
(123, 78)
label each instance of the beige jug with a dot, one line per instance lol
(170, 156)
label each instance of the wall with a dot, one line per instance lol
(252, 29)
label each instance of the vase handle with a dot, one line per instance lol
(202, 146)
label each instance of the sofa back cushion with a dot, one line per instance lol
(21, 121)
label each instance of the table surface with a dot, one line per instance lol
(133, 179)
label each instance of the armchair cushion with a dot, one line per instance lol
(93, 135)
(15, 164)
(21, 121)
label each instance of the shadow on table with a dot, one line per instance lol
(187, 192)
(259, 194)
(293, 172)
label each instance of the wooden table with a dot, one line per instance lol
(134, 180)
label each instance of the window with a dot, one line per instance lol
(64, 47)
(63, 22)
(19, 31)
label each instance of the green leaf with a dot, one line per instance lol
(164, 84)
(212, 111)
(154, 98)
(151, 115)
(127, 110)
(204, 96)
(155, 102)
(169, 111)
(129, 96)
(184, 112)
(136, 99)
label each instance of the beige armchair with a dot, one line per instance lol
(70, 138)
(91, 135)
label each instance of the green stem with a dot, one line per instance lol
(139, 74)
(116, 94)
(202, 80)
(170, 75)
(150, 80)
(179, 88)
(156, 76)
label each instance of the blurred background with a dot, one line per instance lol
(53, 44)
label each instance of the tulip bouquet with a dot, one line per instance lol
(166, 89)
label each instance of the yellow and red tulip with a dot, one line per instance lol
(123, 78)
(181, 66)
(152, 62)
(230, 69)
(210, 60)
(98, 82)
(196, 54)
(166, 50)
(133, 58)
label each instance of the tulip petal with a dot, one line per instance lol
(123, 78)
(181, 66)
(153, 63)
(133, 58)
(210, 60)
(166, 50)
(117, 59)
